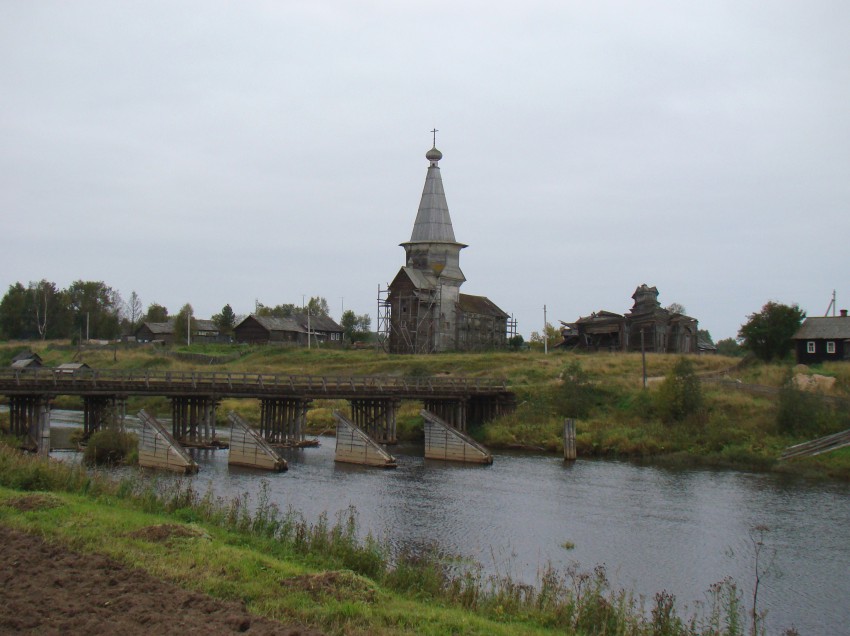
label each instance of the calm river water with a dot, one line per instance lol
(653, 528)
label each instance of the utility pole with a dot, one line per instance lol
(545, 333)
(643, 357)
(188, 328)
(831, 305)
(309, 328)
(87, 327)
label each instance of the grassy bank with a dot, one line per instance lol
(324, 575)
(616, 416)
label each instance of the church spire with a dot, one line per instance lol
(433, 223)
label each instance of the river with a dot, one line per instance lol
(654, 528)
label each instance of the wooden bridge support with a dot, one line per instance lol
(452, 412)
(248, 448)
(193, 419)
(29, 417)
(483, 409)
(445, 442)
(283, 420)
(158, 449)
(354, 446)
(376, 418)
(102, 411)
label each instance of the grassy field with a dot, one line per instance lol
(616, 416)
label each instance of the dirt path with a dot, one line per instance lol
(48, 589)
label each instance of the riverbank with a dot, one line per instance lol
(617, 417)
(52, 589)
(323, 575)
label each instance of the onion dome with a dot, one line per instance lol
(433, 155)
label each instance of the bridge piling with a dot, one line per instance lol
(376, 417)
(444, 441)
(248, 448)
(283, 420)
(453, 411)
(354, 446)
(193, 419)
(158, 449)
(102, 411)
(29, 417)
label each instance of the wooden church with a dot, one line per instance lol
(422, 310)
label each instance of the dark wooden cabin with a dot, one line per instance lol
(156, 332)
(823, 339)
(269, 329)
(324, 328)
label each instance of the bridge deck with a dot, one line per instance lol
(245, 385)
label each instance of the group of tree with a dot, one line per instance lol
(85, 309)
(356, 328)
(768, 333)
(316, 306)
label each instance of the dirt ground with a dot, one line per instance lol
(48, 589)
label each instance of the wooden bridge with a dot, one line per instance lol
(284, 400)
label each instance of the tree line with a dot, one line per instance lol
(94, 310)
(85, 309)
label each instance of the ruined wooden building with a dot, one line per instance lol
(647, 325)
(422, 310)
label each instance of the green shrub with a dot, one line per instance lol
(575, 395)
(110, 446)
(680, 394)
(801, 413)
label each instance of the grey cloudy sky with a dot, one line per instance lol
(222, 152)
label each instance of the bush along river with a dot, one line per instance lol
(652, 528)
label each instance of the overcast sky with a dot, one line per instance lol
(225, 152)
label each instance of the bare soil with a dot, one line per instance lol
(49, 589)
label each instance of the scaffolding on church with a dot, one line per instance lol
(511, 328)
(410, 327)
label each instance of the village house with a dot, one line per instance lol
(647, 326)
(70, 368)
(422, 310)
(163, 332)
(26, 360)
(292, 330)
(823, 339)
(155, 332)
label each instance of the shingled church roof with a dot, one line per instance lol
(433, 223)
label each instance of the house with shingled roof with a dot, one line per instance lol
(291, 329)
(203, 330)
(823, 339)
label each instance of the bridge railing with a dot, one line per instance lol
(238, 382)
